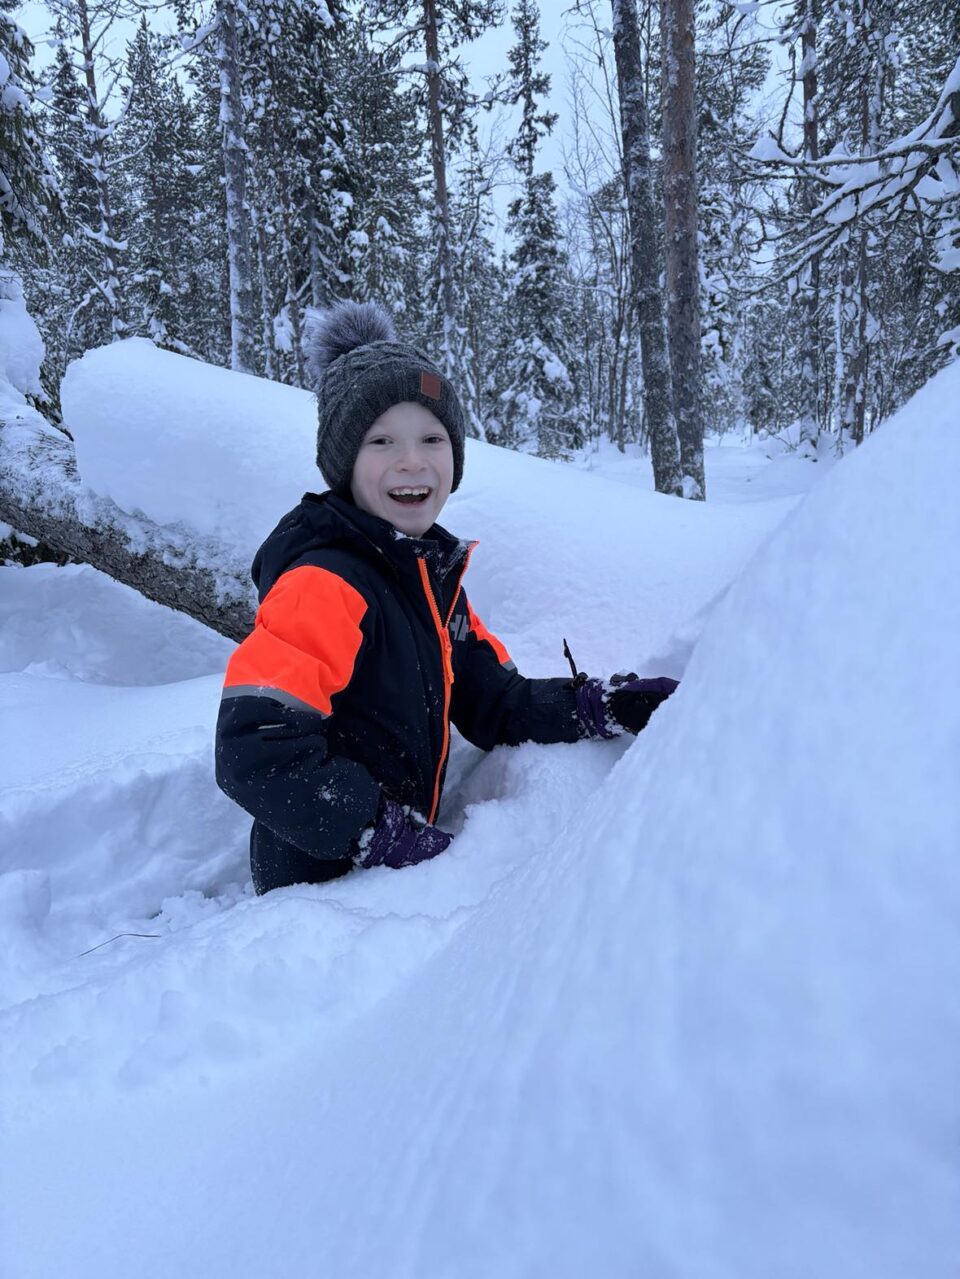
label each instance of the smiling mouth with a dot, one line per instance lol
(414, 495)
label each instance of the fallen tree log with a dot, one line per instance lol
(41, 495)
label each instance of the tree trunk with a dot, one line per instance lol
(291, 297)
(862, 358)
(846, 326)
(680, 223)
(810, 412)
(261, 260)
(243, 346)
(40, 495)
(441, 203)
(315, 256)
(657, 394)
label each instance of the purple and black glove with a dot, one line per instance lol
(398, 839)
(625, 702)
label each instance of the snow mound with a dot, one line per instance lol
(188, 443)
(711, 1031)
(123, 639)
(681, 1006)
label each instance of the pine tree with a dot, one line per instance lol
(304, 63)
(444, 98)
(380, 250)
(204, 306)
(63, 290)
(732, 67)
(478, 284)
(29, 198)
(539, 399)
(84, 26)
(155, 140)
(864, 229)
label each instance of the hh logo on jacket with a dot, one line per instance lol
(459, 627)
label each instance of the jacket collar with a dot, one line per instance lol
(443, 552)
(326, 520)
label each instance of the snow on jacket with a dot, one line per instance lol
(364, 649)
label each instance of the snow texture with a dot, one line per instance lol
(678, 1006)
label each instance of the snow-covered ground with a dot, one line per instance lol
(683, 1006)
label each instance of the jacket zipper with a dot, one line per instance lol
(446, 658)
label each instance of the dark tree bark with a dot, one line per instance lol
(441, 211)
(677, 28)
(41, 495)
(810, 410)
(641, 208)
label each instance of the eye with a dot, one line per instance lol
(379, 439)
(434, 439)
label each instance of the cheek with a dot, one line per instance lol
(365, 475)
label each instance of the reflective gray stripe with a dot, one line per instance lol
(509, 666)
(275, 695)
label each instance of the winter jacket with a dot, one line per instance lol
(365, 648)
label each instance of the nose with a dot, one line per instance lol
(410, 457)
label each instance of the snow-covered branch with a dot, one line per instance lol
(922, 167)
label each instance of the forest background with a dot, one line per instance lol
(756, 226)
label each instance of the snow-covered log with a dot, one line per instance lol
(41, 495)
(176, 472)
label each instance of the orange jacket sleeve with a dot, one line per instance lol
(304, 644)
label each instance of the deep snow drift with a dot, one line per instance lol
(679, 1006)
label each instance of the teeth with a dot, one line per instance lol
(410, 492)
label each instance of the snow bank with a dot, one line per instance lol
(106, 798)
(189, 443)
(676, 1007)
(712, 1031)
(620, 572)
(76, 623)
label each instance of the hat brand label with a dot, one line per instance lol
(429, 385)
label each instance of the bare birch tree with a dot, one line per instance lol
(243, 341)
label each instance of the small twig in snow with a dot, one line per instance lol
(117, 938)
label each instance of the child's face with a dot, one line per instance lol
(406, 448)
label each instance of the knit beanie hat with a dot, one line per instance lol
(359, 369)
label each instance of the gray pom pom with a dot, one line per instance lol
(343, 327)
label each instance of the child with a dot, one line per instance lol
(335, 721)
